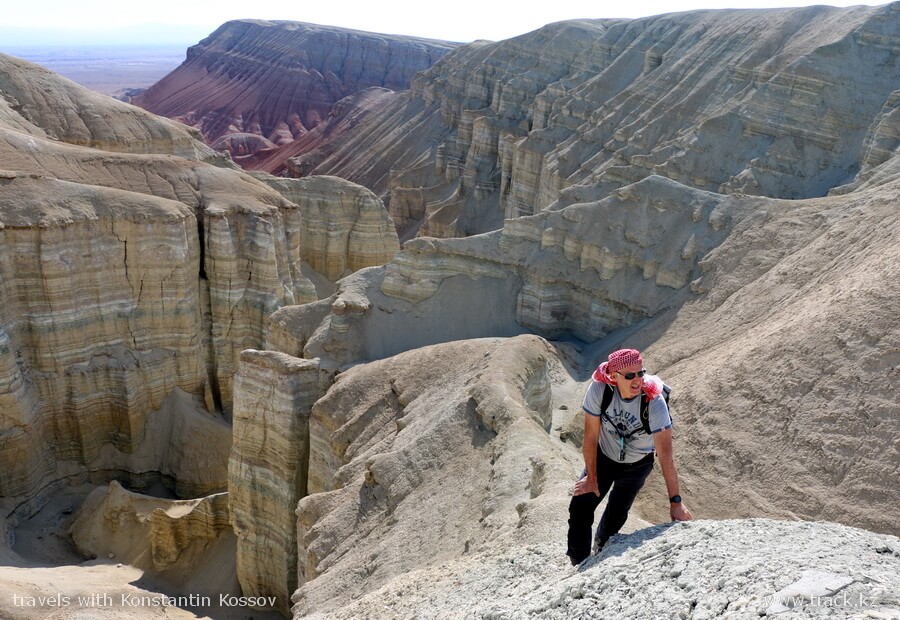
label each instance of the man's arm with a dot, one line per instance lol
(589, 451)
(662, 441)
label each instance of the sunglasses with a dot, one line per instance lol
(631, 375)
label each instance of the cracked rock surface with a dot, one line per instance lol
(742, 569)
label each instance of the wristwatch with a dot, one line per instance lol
(675, 499)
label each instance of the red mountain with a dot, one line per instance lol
(256, 85)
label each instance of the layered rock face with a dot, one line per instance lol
(787, 104)
(800, 290)
(367, 457)
(291, 160)
(251, 236)
(254, 85)
(397, 450)
(385, 448)
(587, 270)
(106, 313)
(267, 469)
(745, 304)
(126, 277)
(345, 227)
(84, 358)
(880, 163)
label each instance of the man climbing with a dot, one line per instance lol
(626, 415)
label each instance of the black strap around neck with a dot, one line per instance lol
(605, 402)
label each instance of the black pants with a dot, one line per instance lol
(626, 479)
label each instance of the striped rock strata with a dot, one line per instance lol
(423, 457)
(880, 163)
(345, 226)
(253, 241)
(345, 116)
(267, 469)
(85, 292)
(403, 476)
(126, 276)
(255, 85)
(774, 317)
(586, 270)
(782, 103)
(365, 457)
(128, 316)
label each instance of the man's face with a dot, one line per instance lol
(629, 388)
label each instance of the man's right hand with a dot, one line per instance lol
(586, 485)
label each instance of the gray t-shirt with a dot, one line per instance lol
(626, 415)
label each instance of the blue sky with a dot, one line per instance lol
(176, 21)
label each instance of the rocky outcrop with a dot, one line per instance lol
(587, 271)
(880, 162)
(290, 160)
(85, 360)
(358, 451)
(253, 241)
(699, 280)
(107, 311)
(801, 289)
(267, 469)
(38, 102)
(148, 532)
(388, 455)
(241, 265)
(772, 103)
(345, 227)
(277, 79)
(397, 449)
(720, 287)
(703, 569)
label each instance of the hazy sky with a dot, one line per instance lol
(174, 21)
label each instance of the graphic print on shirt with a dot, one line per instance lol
(625, 421)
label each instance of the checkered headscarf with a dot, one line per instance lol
(617, 360)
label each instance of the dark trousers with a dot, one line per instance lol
(626, 479)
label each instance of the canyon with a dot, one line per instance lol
(355, 391)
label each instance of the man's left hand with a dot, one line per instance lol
(680, 512)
